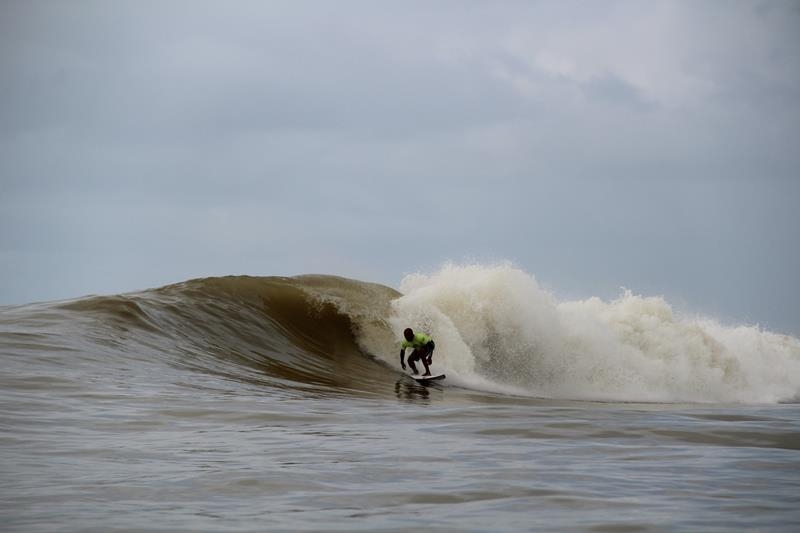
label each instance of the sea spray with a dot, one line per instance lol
(497, 323)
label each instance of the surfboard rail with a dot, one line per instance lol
(424, 380)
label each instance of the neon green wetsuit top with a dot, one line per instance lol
(419, 341)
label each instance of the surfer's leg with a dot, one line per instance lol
(414, 357)
(426, 363)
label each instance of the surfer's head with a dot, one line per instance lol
(408, 334)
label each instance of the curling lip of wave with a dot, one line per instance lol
(281, 331)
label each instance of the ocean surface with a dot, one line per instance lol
(278, 404)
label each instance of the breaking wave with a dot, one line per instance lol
(495, 328)
(497, 323)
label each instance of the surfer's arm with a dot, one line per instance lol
(403, 358)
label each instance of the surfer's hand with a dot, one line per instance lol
(403, 365)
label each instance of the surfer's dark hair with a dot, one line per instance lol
(408, 333)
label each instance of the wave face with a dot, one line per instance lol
(495, 328)
(296, 334)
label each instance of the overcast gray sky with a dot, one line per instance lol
(651, 145)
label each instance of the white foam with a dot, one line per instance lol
(495, 326)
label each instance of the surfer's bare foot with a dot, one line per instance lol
(426, 375)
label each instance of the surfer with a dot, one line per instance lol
(423, 350)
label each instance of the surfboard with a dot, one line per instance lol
(424, 380)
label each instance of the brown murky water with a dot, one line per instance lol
(141, 413)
